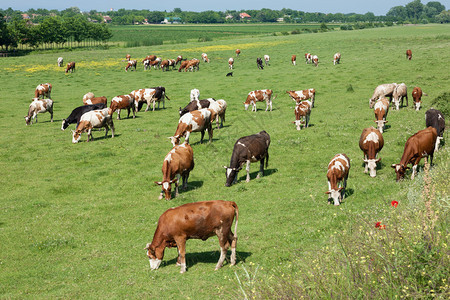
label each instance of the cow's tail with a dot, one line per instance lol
(236, 214)
(165, 95)
(424, 94)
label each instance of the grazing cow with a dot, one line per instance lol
(43, 90)
(156, 63)
(248, 149)
(267, 59)
(128, 57)
(259, 63)
(219, 107)
(381, 91)
(93, 119)
(70, 67)
(298, 96)
(230, 62)
(196, 105)
(381, 109)
(337, 175)
(178, 162)
(195, 93)
(198, 220)
(302, 113)
(193, 65)
(76, 114)
(408, 54)
(371, 142)
(131, 64)
(183, 65)
(172, 63)
(399, 94)
(194, 121)
(179, 59)
(151, 95)
(435, 119)
(417, 97)
(165, 65)
(421, 144)
(87, 96)
(259, 95)
(149, 58)
(60, 61)
(315, 60)
(38, 106)
(238, 52)
(205, 57)
(308, 57)
(293, 59)
(146, 64)
(89, 99)
(336, 58)
(122, 102)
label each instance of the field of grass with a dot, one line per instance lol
(74, 219)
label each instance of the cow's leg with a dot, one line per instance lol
(51, 114)
(307, 120)
(261, 168)
(128, 116)
(111, 124)
(89, 135)
(118, 114)
(224, 244)
(159, 103)
(181, 244)
(366, 165)
(413, 171)
(106, 130)
(247, 168)
(438, 141)
(202, 135)
(154, 103)
(233, 248)
(406, 99)
(210, 132)
(148, 105)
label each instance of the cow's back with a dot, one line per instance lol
(435, 118)
(420, 143)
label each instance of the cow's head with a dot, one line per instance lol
(231, 174)
(76, 135)
(397, 103)
(166, 188)
(298, 124)
(400, 170)
(64, 124)
(380, 125)
(372, 166)
(372, 102)
(417, 105)
(155, 256)
(335, 196)
(28, 120)
(246, 105)
(175, 140)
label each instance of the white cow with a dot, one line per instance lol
(60, 61)
(195, 93)
(267, 59)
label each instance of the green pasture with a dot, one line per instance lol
(75, 218)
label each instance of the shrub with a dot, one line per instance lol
(296, 31)
(441, 103)
(350, 89)
(205, 39)
(285, 33)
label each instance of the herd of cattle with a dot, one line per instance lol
(202, 220)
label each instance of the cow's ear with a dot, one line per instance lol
(328, 192)
(225, 167)
(173, 180)
(158, 182)
(406, 168)
(378, 160)
(393, 166)
(340, 189)
(385, 122)
(147, 247)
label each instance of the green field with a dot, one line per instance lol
(74, 219)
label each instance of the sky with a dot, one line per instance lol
(378, 7)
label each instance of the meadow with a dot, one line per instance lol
(74, 219)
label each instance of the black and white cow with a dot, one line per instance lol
(76, 114)
(259, 63)
(435, 119)
(196, 105)
(248, 149)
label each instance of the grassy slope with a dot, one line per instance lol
(74, 219)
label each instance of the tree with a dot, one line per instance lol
(414, 9)
(52, 31)
(177, 10)
(443, 17)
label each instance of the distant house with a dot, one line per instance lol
(107, 19)
(171, 20)
(229, 17)
(280, 20)
(25, 17)
(244, 15)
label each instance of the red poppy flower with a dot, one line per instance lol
(394, 203)
(378, 224)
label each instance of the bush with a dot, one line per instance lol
(442, 103)
(389, 24)
(285, 33)
(205, 39)
(346, 27)
(296, 31)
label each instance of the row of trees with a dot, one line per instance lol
(52, 30)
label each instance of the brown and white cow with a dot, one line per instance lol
(302, 114)
(371, 142)
(421, 144)
(417, 97)
(381, 110)
(70, 67)
(308, 57)
(381, 91)
(193, 65)
(259, 95)
(164, 65)
(172, 63)
(43, 90)
(230, 62)
(179, 59)
(198, 220)
(60, 61)
(123, 102)
(205, 57)
(89, 99)
(149, 96)
(337, 175)
(336, 58)
(400, 92)
(149, 58)
(196, 105)
(130, 65)
(408, 54)
(194, 121)
(315, 60)
(238, 51)
(93, 119)
(38, 106)
(128, 57)
(293, 59)
(179, 162)
(267, 59)
(183, 65)
(301, 95)
(219, 107)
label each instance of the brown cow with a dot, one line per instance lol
(336, 58)
(230, 63)
(70, 67)
(371, 142)
(179, 59)
(131, 64)
(194, 121)
(128, 57)
(381, 109)
(43, 90)
(408, 54)
(122, 102)
(164, 65)
(417, 97)
(337, 174)
(238, 52)
(302, 113)
(421, 144)
(193, 65)
(301, 95)
(183, 65)
(259, 95)
(178, 162)
(149, 58)
(293, 59)
(308, 57)
(96, 100)
(198, 220)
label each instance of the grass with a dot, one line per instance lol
(74, 219)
